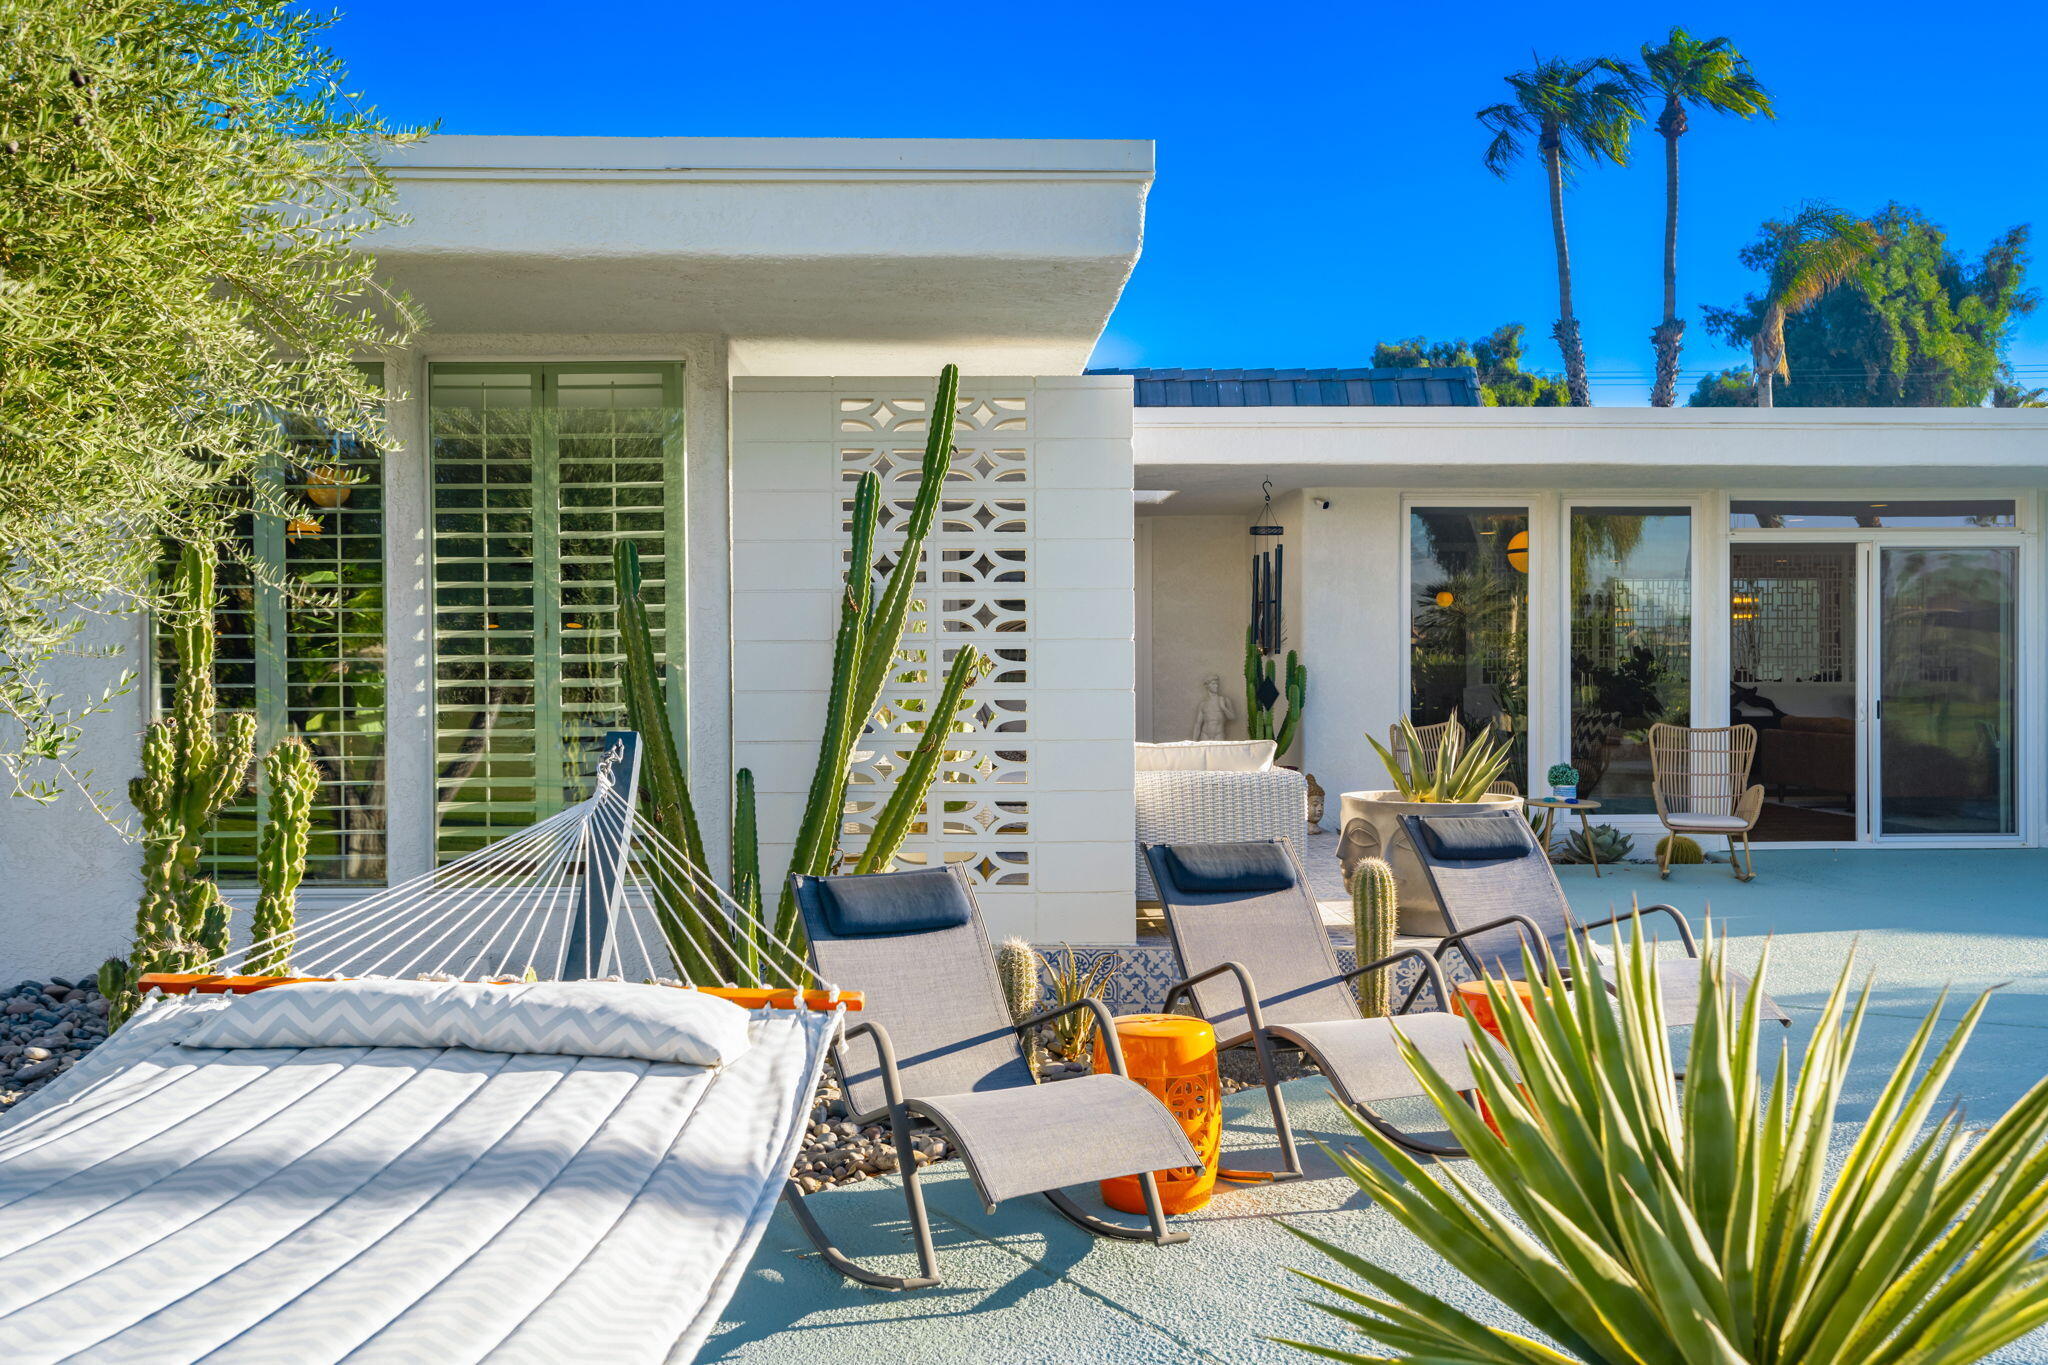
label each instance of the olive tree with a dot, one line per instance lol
(181, 183)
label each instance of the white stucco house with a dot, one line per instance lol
(696, 343)
(1862, 585)
(699, 343)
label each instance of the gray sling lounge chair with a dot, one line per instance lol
(1258, 965)
(1497, 891)
(936, 1040)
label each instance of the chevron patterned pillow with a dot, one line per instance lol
(572, 1018)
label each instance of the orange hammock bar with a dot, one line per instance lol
(752, 998)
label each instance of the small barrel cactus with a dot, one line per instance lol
(1677, 849)
(1375, 908)
(1017, 966)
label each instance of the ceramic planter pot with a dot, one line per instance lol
(1564, 793)
(1372, 829)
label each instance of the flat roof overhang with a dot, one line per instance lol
(1213, 460)
(814, 255)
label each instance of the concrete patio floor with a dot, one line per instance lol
(1024, 1287)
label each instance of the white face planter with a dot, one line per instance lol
(1372, 829)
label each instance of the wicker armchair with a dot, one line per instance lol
(1700, 778)
(1186, 806)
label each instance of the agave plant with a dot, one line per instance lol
(1652, 1219)
(1461, 771)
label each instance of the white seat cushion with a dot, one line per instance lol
(1710, 824)
(1207, 756)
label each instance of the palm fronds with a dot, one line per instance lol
(1586, 109)
(1818, 249)
(1637, 1219)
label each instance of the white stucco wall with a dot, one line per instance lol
(1196, 626)
(1045, 485)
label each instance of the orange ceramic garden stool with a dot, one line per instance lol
(1473, 1000)
(1174, 1057)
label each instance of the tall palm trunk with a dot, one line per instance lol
(1670, 333)
(1567, 329)
(1764, 376)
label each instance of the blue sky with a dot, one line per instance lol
(1319, 178)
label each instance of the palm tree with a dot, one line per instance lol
(1709, 74)
(1577, 112)
(1820, 248)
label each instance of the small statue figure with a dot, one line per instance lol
(1216, 711)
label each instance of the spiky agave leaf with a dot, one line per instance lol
(1638, 1218)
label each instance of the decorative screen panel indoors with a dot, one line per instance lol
(300, 644)
(975, 587)
(538, 472)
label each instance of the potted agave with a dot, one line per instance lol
(1456, 780)
(1564, 782)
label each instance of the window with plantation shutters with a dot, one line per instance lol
(538, 472)
(299, 643)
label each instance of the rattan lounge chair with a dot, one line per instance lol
(1498, 891)
(936, 1041)
(1257, 964)
(1700, 777)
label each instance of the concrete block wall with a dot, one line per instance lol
(1030, 561)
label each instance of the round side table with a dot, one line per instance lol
(1550, 806)
(1174, 1057)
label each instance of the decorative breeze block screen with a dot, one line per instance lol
(974, 588)
(1028, 560)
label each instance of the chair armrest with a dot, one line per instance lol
(885, 1054)
(1692, 948)
(1522, 922)
(1751, 806)
(1430, 969)
(1245, 988)
(1105, 1024)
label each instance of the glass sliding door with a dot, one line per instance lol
(1468, 620)
(1946, 691)
(1631, 645)
(1795, 638)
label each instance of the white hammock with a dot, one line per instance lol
(166, 1203)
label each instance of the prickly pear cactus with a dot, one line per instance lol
(1375, 909)
(293, 779)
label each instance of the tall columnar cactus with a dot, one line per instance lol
(683, 910)
(746, 874)
(193, 764)
(865, 653)
(1023, 992)
(1264, 685)
(292, 777)
(1375, 910)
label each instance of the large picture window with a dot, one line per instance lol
(1631, 645)
(538, 471)
(299, 644)
(1468, 620)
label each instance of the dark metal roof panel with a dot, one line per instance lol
(1453, 386)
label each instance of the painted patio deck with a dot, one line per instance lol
(1023, 1287)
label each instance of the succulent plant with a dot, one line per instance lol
(1023, 993)
(1375, 910)
(1563, 775)
(293, 780)
(1263, 680)
(1610, 843)
(1683, 851)
(1463, 772)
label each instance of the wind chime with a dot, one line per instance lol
(1268, 566)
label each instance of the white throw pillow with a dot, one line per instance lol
(571, 1018)
(1207, 756)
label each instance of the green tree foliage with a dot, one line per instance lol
(180, 187)
(1915, 326)
(1503, 383)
